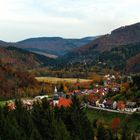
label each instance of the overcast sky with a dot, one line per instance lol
(20, 19)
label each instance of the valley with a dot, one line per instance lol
(76, 82)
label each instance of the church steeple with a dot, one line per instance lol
(55, 90)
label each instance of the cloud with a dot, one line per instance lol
(67, 18)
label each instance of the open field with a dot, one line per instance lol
(106, 117)
(2, 103)
(55, 80)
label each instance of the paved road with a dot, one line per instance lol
(109, 110)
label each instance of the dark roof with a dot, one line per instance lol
(56, 97)
(131, 103)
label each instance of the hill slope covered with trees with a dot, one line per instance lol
(119, 50)
(23, 59)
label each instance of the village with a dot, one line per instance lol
(96, 98)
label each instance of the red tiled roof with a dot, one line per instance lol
(64, 102)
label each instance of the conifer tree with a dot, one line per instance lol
(35, 135)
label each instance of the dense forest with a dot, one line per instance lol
(123, 58)
(23, 59)
(45, 122)
(16, 83)
(119, 57)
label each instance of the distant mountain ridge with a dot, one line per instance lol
(49, 46)
(52, 45)
(119, 50)
(3, 44)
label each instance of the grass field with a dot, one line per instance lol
(2, 103)
(55, 80)
(106, 117)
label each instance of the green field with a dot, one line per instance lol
(2, 103)
(55, 80)
(106, 118)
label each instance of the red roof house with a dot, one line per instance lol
(64, 102)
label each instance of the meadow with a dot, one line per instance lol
(106, 118)
(56, 80)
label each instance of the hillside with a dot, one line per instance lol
(118, 50)
(15, 83)
(52, 45)
(23, 59)
(121, 36)
(3, 43)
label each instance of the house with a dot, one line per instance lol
(99, 103)
(105, 90)
(101, 92)
(86, 91)
(114, 105)
(109, 103)
(40, 97)
(64, 102)
(115, 89)
(131, 106)
(76, 91)
(95, 90)
(90, 91)
(28, 104)
(60, 101)
(55, 99)
(104, 102)
(61, 94)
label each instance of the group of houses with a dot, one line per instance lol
(99, 93)
(100, 99)
(59, 99)
(116, 105)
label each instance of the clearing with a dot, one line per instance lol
(55, 80)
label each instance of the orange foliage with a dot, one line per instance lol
(65, 89)
(126, 85)
(91, 97)
(120, 105)
(115, 124)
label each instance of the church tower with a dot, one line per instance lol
(55, 90)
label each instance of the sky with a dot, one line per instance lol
(21, 19)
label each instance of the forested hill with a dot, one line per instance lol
(3, 44)
(122, 36)
(52, 45)
(23, 59)
(15, 83)
(119, 50)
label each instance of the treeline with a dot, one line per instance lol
(21, 58)
(60, 73)
(45, 122)
(116, 59)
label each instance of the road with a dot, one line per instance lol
(110, 110)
